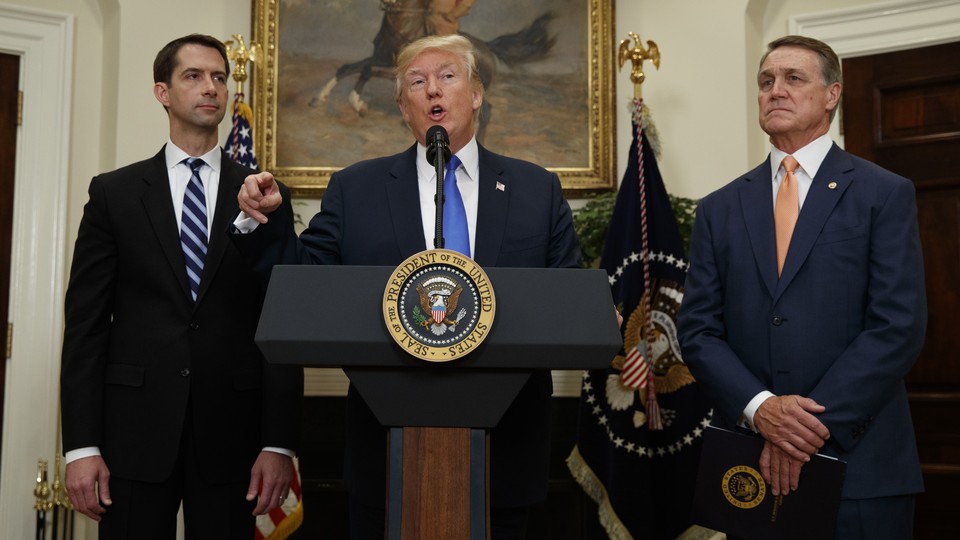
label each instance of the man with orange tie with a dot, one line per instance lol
(804, 305)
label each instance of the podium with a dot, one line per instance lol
(438, 414)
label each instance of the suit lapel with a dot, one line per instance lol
(158, 206)
(403, 196)
(756, 203)
(836, 171)
(492, 206)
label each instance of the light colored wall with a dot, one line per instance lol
(702, 98)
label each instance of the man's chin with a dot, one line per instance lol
(776, 126)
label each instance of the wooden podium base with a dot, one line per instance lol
(438, 484)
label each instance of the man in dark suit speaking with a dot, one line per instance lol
(381, 211)
(165, 396)
(804, 305)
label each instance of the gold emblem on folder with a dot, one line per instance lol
(743, 487)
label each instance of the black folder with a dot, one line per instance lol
(732, 497)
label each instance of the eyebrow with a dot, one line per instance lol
(416, 71)
(187, 70)
(787, 71)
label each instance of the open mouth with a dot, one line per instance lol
(436, 112)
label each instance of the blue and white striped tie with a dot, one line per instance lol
(193, 226)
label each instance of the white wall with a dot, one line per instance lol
(702, 98)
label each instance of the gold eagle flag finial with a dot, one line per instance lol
(240, 55)
(637, 55)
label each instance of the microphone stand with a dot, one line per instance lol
(438, 241)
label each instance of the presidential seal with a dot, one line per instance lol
(743, 487)
(438, 305)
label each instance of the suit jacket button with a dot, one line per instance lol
(194, 326)
(184, 372)
(776, 320)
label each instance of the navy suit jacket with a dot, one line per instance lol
(371, 215)
(137, 350)
(842, 325)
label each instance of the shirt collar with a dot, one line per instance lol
(174, 156)
(469, 158)
(810, 157)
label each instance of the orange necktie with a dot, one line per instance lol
(786, 210)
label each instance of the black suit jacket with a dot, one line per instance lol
(371, 216)
(137, 350)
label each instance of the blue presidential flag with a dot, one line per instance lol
(642, 419)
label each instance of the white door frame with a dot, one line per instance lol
(44, 41)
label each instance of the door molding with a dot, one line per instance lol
(44, 41)
(879, 28)
(882, 27)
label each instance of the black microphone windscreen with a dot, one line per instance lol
(437, 139)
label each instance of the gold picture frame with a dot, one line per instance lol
(555, 110)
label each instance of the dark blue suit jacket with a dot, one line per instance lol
(842, 325)
(371, 215)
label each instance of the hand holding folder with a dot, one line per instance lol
(731, 495)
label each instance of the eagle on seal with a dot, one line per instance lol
(438, 305)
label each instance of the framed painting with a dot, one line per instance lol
(324, 93)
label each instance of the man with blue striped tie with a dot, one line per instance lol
(166, 399)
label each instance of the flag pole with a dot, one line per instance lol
(637, 55)
(638, 368)
(240, 54)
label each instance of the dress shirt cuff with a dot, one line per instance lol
(245, 224)
(751, 409)
(284, 451)
(80, 453)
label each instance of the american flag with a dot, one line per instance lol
(240, 143)
(286, 518)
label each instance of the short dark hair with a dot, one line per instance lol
(829, 62)
(830, 70)
(166, 59)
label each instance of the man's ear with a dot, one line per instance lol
(477, 98)
(160, 91)
(833, 96)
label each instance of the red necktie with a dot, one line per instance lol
(786, 210)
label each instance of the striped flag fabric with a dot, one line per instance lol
(286, 518)
(240, 142)
(642, 419)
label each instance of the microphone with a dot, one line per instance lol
(438, 154)
(438, 146)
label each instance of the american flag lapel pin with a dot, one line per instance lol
(501, 187)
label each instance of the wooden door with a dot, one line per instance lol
(901, 110)
(9, 92)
